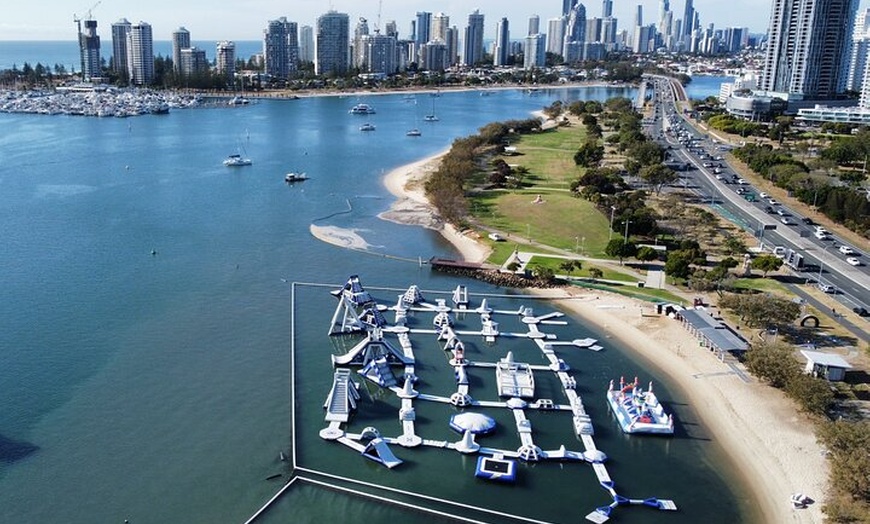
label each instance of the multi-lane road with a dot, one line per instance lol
(773, 223)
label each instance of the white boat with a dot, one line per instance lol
(414, 132)
(237, 161)
(295, 177)
(362, 109)
(638, 411)
(367, 127)
(430, 118)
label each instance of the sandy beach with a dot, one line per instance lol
(770, 445)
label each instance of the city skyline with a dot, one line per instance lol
(53, 19)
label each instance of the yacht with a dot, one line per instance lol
(414, 132)
(367, 127)
(295, 177)
(430, 118)
(237, 161)
(362, 109)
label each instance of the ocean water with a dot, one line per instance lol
(48, 53)
(155, 387)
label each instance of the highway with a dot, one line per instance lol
(773, 223)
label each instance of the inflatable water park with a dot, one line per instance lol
(383, 359)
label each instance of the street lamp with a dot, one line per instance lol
(612, 211)
(627, 222)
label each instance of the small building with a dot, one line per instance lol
(712, 333)
(826, 366)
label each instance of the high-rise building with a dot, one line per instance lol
(858, 54)
(567, 6)
(452, 41)
(473, 50)
(535, 51)
(331, 44)
(360, 48)
(607, 8)
(191, 60)
(440, 23)
(225, 59)
(140, 54)
(280, 48)
(575, 34)
(555, 35)
(180, 40)
(593, 29)
(534, 24)
(643, 35)
(807, 48)
(502, 42)
(120, 30)
(608, 32)
(390, 29)
(433, 56)
(422, 27)
(381, 54)
(89, 43)
(688, 23)
(306, 43)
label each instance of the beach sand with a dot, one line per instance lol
(771, 446)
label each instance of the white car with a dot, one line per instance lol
(763, 195)
(827, 288)
(853, 261)
(772, 202)
(846, 250)
(786, 221)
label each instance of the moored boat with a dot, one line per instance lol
(362, 109)
(237, 160)
(638, 411)
(367, 127)
(295, 177)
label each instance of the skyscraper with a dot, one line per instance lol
(225, 59)
(575, 34)
(423, 26)
(688, 23)
(535, 51)
(534, 24)
(440, 23)
(473, 50)
(381, 54)
(191, 60)
(555, 35)
(858, 54)
(90, 50)
(180, 40)
(120, 30)
(807, 47)
(567, 6)
(360, 48)
(331, 44)
(140, 54)
(502, 43)
(306, 43)
(607, 8)
(280, 48)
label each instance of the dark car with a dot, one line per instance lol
(861, 312)
(807, 220)
(768, 209)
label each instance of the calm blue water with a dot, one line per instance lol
(703, 86)
(16, 53)
(155, 387)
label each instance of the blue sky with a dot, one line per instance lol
(245, 19)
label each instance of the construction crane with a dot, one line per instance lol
(378, 24)
(78, 22)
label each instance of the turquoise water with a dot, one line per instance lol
(155, 388)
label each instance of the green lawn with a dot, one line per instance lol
(549, 156)
(608, 274)
(761, 284)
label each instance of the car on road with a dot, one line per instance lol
(786, 221)
(807, 220)
(861, 312)
(827, 288)
(763, 195)
(852, 261)
(768, 209)
(742, 182)
(772, 202)
(846, 250)
(781, 212)
(822, 235)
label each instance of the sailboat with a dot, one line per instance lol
(414, 131)
(431, 117)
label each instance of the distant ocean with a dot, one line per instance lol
(66, 53)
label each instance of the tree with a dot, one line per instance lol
(590, 154)
(647, 254)
(620, 248)
(813, 394)
(677, 263)
(568, 266)
(848, 443)
(766, 263)
(734, 245)
(761, 310)
(774, 363)
(658, 176)
(595, 273)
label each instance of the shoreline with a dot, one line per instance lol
(767, 444)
